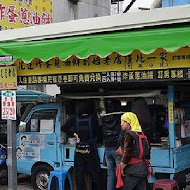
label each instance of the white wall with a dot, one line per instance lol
(142, 3)
(52, 89)
(64, 10)
(93, 8)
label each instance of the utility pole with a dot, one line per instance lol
(11, 151)
(8, 113)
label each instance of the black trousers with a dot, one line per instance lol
(135, 183)
(87, 163)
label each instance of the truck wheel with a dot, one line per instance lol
(40, 177)
(183, 179)
(3, 175)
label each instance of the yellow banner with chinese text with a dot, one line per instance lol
(23, 13)
(8, 78)
(136, 61)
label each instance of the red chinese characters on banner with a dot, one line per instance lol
(24, 16)
(35, 18)
(11, 13)
(46, 18)
(2, 12)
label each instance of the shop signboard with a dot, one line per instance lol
(23, 13)
(8, 101)
(8, 77)
(157, 66)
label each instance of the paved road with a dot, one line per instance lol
(23, 184)
(20, 187)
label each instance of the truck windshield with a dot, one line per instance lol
(26, 112)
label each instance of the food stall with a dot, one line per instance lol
(125, 60)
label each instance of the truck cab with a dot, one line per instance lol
(23, 97)
(39, 143)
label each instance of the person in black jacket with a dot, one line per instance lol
(141, 109)
(112, 139)
(85, 128)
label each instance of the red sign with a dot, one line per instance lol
(8, 100)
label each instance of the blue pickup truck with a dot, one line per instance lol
(23, 96)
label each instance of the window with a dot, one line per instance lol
(42, 121)
(74, 1)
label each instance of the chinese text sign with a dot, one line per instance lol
(8, 100)
(159, 65)
(22, 13)
(8, 78)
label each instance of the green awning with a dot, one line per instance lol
(145, 40)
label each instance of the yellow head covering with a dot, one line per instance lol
(132, 119)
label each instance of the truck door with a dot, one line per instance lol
(39, 140)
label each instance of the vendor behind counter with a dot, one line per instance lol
(141, 109)
(82, 107)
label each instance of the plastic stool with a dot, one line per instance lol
(60, 176)
(165, 184)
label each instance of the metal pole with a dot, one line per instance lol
(118, 6)
(171, 112)
(12, 160)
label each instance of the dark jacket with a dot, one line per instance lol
(141, 109)
(112, 129)
(131, 150)
(70, 128)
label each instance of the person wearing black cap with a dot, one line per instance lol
(85, 128)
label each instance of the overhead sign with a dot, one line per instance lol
(8, 78)
(8, 100)
(108, 77)
(23, 13)
(159, 65)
